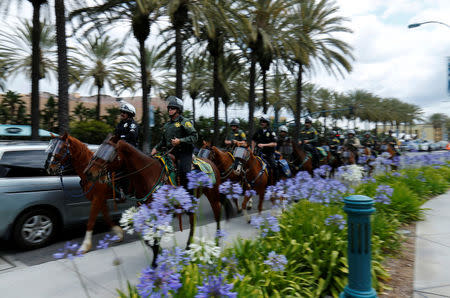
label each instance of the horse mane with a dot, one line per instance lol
(81, 154)
(126, 147)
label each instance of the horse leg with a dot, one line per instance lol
(155, 249)
(86, 245)
(237, 206)
(192, 225)
(117, 230)
(244, 208)
(215, 206)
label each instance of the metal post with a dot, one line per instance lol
(359, 284)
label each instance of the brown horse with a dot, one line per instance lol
(68, 149)
(224, 162)
(145, 174)
(367, 154)
(386, 147)
(301, 159)
(348, 156)
(254, 175)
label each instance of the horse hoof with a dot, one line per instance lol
(248, 221)
(84, 248)
(118, 232)
(239, 211)
(249, 207)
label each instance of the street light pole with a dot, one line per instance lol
(414, 25)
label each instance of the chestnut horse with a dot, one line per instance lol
(254, 174)
(67, 149)
(385, 147)
(224, 162)
(367, 154)
(145, 174)
(348, 156)
(301, 159)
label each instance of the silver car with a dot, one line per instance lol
(35, 207)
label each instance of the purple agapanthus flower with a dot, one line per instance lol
(221, 234)
(158, 282)
(337, 220)
(198, 179)
(106, 241)
(230, 190)
(383, 194)
(69, 251)
(170, 199)
(250, 193)
(266, 225)
(215, 286)
(276, 262)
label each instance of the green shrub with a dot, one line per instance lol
(92, 132)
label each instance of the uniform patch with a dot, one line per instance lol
(133, 125)
(267, 134)
(243, 135)
(125, 125)
(273, 133)
(188, 124)
(177, 124)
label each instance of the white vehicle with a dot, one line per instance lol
(424, 145)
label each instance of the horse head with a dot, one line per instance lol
(59, 156)
(241, 156)
(104, 160)
(206, 150)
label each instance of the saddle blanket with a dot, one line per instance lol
(205, 168)
(322, 151)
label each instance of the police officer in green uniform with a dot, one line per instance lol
(284, 145)
(333, 142)
(179, 136)
(352, 143)
(391, 140)
(266, 140)
(369, 142)
(309, 138)
(236, 137)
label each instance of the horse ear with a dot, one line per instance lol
(64, 136)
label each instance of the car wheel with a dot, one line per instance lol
(35, 228)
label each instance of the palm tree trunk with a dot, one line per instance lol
(226, 119)
(145, 92)
(63, 74)
(193, 111)
(251, 95)
(179, 63)
(298, 102)
(264, 73)
(97, 108)
(215, 140)
(35, 73)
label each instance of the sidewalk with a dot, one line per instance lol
(432, 263)
(59, 279)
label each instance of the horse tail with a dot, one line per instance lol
(226, 203)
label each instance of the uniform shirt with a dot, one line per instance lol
(309, 134)
(352, 142)
(238, 135)
(390, 139)
(284, 145)
(334, 141)
(127, 130)
(182, 129)
(265, 136)
(368, 142)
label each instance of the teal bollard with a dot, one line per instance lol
(358, 209)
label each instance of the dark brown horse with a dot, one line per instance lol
(224, 162)
(301, 159)
(145, 173)
(254, 175)
(348, 156)
(393, 154)
(68, 149)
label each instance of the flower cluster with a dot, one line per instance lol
(215, 286)
(69, 251)
(351, 174)
(383, 194)
(249, 193)
(337, 220)
(231, 190)
(198, 179)
(153, 229)
(265, 224)
(203, 250)
(170, 199)
(275, 261)
(106, 241)
(126, 221)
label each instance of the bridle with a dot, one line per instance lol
(54, 149)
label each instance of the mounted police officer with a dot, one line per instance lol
(391, 140)
(266, 140)
(127, 129)
(284, 145)
(236, 137)
(369, 142)
(333, 141)
(352, 143)
(309, 138)
(178, 136)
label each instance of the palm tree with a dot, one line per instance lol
(3, 74)
(100, 52)
(310, 41)
(141, 13)
(35, 62)
(63, 71)
(196, 79)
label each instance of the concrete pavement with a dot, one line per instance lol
(432, 262)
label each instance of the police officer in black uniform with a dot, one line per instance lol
(266, 140)
(179, 136)
(127, 129)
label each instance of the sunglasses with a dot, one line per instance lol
(171, 108)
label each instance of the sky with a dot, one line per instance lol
(390, 59)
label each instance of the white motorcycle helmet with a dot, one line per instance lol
(128, 108)
(283, 128)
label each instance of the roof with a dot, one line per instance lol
(9, 130)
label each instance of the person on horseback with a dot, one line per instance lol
(352, 143)
(266, 140)
(309, 138)
(236, 137)
(391, 140)
(127, 129)
(369, 142)
(333, 142)
(284, 145)
(179, 137)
